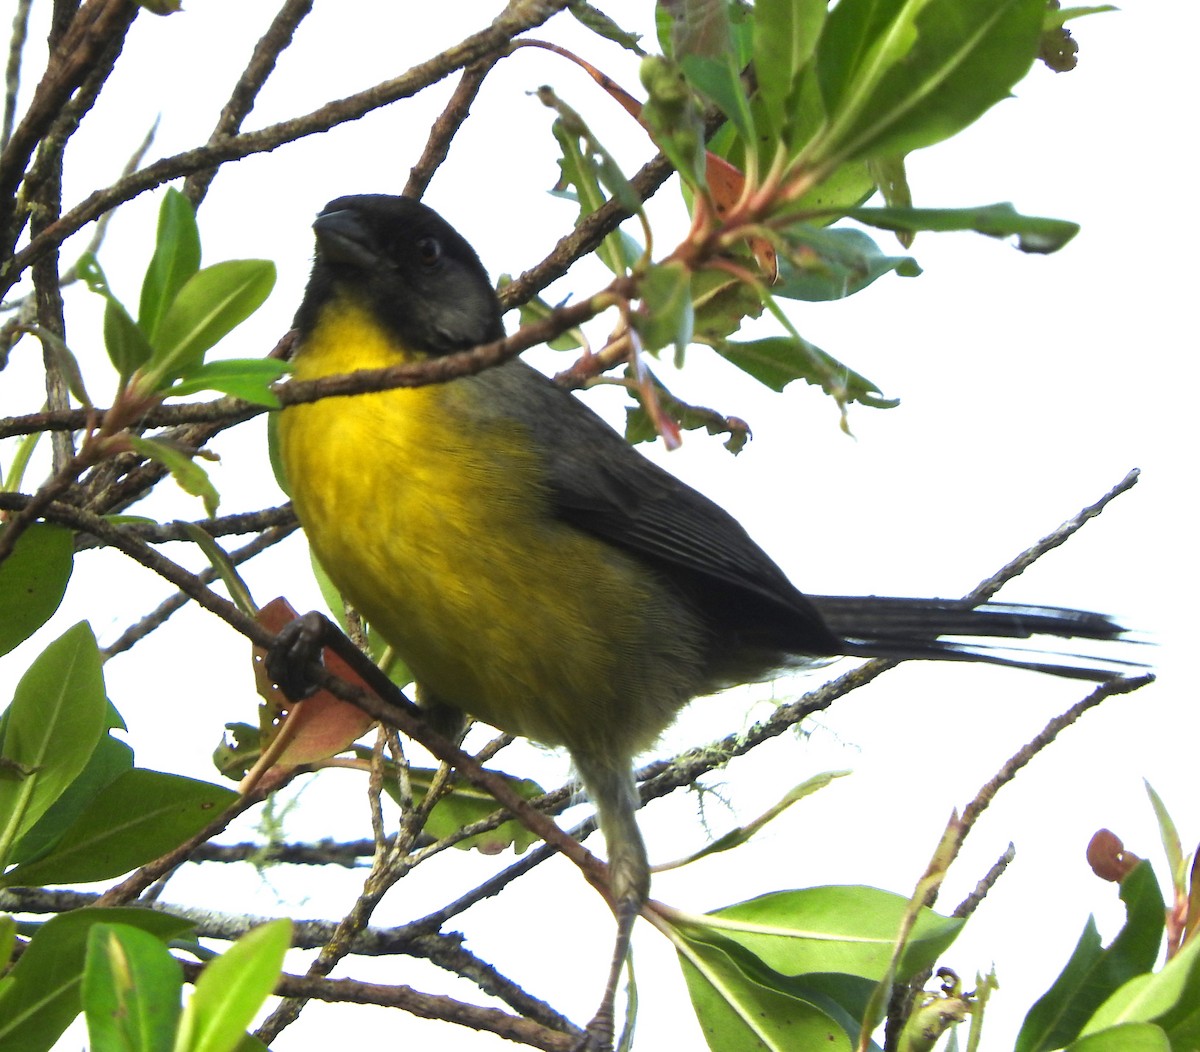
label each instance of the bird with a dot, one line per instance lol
(532, 568)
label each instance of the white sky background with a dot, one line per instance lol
(1029, 386)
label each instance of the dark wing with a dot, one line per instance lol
(599, 484)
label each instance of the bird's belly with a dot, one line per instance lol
(442, 538)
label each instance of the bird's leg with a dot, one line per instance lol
(611, 787)
(600, 1031)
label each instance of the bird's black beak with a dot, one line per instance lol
(342, 237)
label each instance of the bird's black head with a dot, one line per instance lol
(406, 264)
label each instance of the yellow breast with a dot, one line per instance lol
(428, 510)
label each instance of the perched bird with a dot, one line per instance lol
(530, 567)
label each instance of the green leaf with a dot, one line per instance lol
(232, 988)
(41, 995)
(51, 729)
(642, 422)
(110, 759)
(743, 1006)
(665, 317)
(579, 167)
(127, 345)
(1169, 998)
(33, 580)
(891, 177)
(537, 309)
(141, 815)
(834, 929)
(737, 837)
(718, 80)
(131, 990)
(778, 360)
(699, 27)
(1059, 16)
(599, 23)
(1172, 846)
(211, 303)
(720, 303)
(188, 475)
(246, 378)
(8, 941)
(1129, 1037)
(897, 75)
(1033, 233)
(176, 258)
(828, 264)
(785, 38)
(673, 119)
(850, 185)
(1093, 972)
(223, 564)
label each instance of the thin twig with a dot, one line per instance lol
(517, 18)
(437, 146)
(12, 71)
(261, 65)
(161, 613)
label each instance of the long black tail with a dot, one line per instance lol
(882, 626)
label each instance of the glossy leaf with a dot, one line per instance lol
(176, 258)
(109, 760)
(846, 929)
(743, 1006)
(828, 264)
(720, 303)
(51, 729)
(665, 317)
(42, 994)
(141, 815)
(778, 360)
(585, 165)
(8, 941)
(742, 834)
(537, 309)
(131, 990)
(719, 81)
(247, 378)
(232, 988)
(1129, 1037)
(697, 27)
(640, 426)
(1169, 998)
(785, 38)
(673, 119)
(1033, 233)
(33, 580)
(600, 24)
(127, 346)
(1172, 845)
(126, 343)
(1094, 972)
(898, 75)
(210, 303)
(188, 475)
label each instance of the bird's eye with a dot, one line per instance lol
(429, 250)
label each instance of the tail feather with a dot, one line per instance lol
(900, 628)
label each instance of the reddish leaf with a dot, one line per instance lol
(322, 725)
